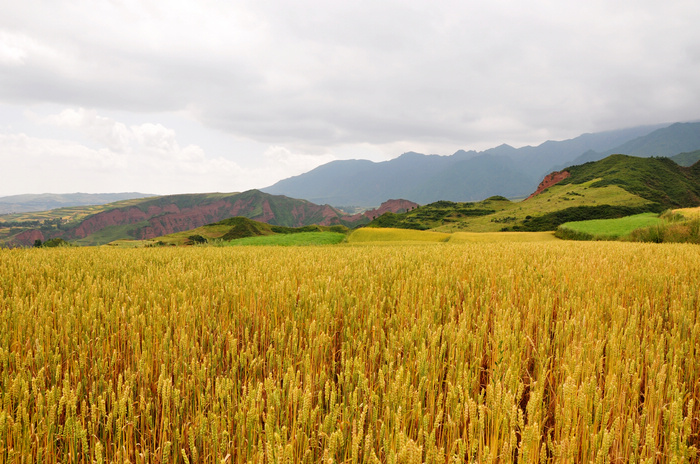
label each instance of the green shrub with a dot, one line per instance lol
(55, 242)
(196, 239)
(565, 233)
(669, 232)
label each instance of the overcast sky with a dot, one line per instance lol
(200, 96)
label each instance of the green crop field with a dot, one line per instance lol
(298, 239)
(501, 237)
(547, 351)
(372, 235)
(613, 228)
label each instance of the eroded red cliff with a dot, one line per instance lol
(549, 180)
(393, 206)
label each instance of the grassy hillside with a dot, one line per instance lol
(659, 180)
(152, 217)
(687, 159)
(554, 206)
(615, 187)
(239, 228)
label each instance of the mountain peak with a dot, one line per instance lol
(411, 155)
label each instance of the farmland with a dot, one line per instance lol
(471, 352)
(612, 228)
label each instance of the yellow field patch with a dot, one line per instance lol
(689, 212)
(371, 234)
(494, 237)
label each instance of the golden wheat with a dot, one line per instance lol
(541, 352)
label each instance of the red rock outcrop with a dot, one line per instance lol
(393, 206)
(161, 217)
(28, 238)
(549, 180)
(165, 218)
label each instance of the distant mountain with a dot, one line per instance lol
(413, 176)
(48, 201)
(668, 141)
(538, 161)
(465, 175)
(687, 159)
(156, 216)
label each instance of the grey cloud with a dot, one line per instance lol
(332, 73)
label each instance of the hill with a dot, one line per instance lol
(659, 180)
(617, 186)
(467, 175)
(687, 158)
(153, 217)
(668, 141)
(230, 229)
(48, 201)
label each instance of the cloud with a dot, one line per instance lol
(132, 157)
(145, 140)
(324, 78)
(334, 73)
(121, 157)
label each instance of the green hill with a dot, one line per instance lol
(659, 180)
(153, 217)
(614, 187)
(687, 159)
(232, 229)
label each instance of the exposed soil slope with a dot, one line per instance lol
(390, 206)
(549, 180)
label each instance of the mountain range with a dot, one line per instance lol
(616, 186)
(48, 201)
(147, 218)
(472, 176)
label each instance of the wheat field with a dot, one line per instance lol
(438, 353)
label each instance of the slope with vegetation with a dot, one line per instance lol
(687, 158)
(240, 228)
(615, 187)
(153, 217)
(659, 180)
(673, 226)
(472, 176)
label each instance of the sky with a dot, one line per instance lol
(181, 96)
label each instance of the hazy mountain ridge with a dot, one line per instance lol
(47, 201)
(157, 216)
(668, 141)
(687, 159)
(472, 176)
